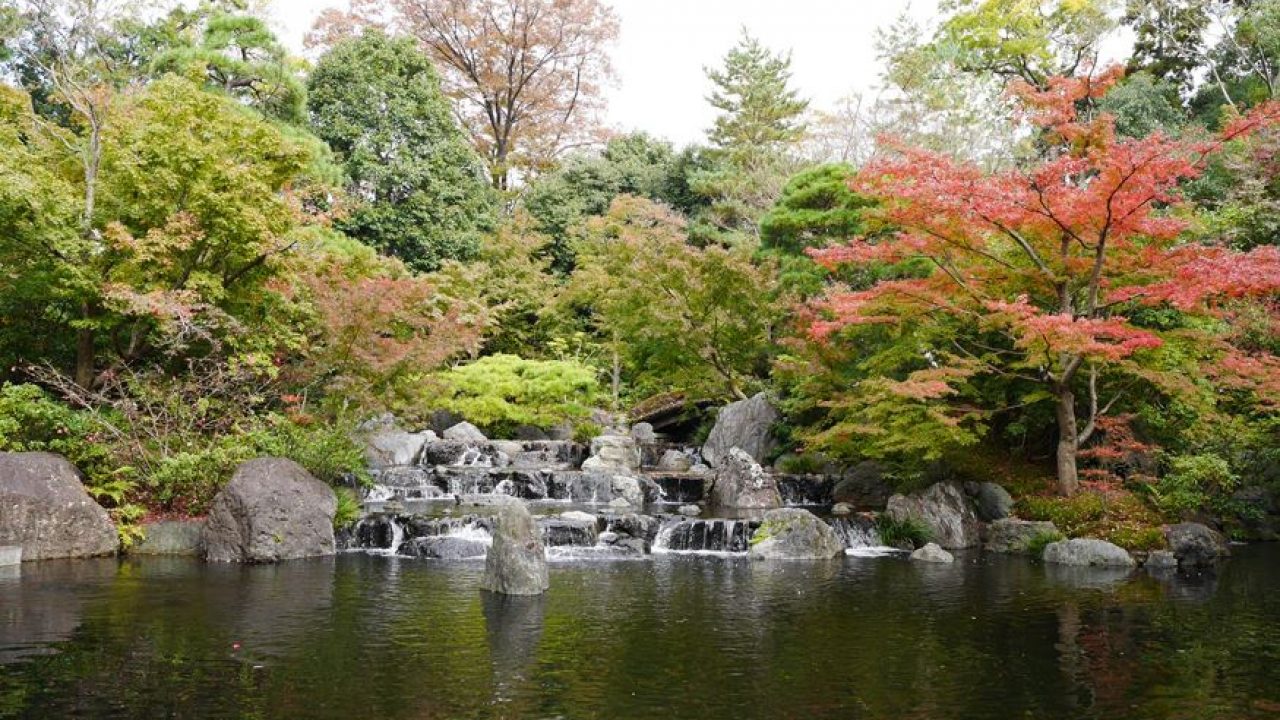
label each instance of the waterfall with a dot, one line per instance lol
(704, 537)
(860, 536)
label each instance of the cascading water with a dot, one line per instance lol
(706, 537)
(860, 536)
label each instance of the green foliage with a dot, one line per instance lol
(418, 186)
(349, 508)
(325, 448)
(1037, 544)
(759, 112)
(898, 533)
(816, 208)
(1191, 483)
(32, 421)
(1117, 517)
(1143, 105)
(501, 392)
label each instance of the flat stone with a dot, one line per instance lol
(689, 510)
(170, 537)
(932, 553)
(10, 555)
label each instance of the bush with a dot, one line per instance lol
(1038, 543)
(895, 533)
(1118, 517)
(325, 449)
(1068, 513)
(348, 510)
(501, 392)
(1191, 483)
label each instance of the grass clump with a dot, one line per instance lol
(896, 532)
(1037, 544)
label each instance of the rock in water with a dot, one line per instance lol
(794, 534)
(1087, 552)
(932, 553)
(613, 454)
(393, 447)
(169, 537)
(271, 510)
(993, 502)
(675, 461)
(1195, 545)
(44, 509)
(740, 482)
(464, 432)
(945, 510)
(1014, 536)
(747, 425)
(516, 563)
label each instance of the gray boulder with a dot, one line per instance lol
(45, 510)
(643, 433)
(932, 553)
(991, 501)
(393, 447)
(863, 486)
(630, 534)
(1160, 560)
(674, 461)
(464, 432)
(945, 510)
(10, 555)
(1089, 552)
(170, 537)
(740, 482)
(794, 534)
(445, 547)
(613, 453)
(516, 563)
(1195, 545)
(745, 424)
(1014, 536)
(628, 489)
(271, 510)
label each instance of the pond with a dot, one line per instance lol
(669, 636)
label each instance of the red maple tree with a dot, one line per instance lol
(1053, 257)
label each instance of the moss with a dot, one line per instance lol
(767, 530)
(1037, 544)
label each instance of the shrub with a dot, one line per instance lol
(1192, 482)
(895, 532)
(1038, 543)
(325, 449)
(348, 510)
(501, 392)
(1118, 517)
(1068, 513)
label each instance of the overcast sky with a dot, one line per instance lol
(665, 44)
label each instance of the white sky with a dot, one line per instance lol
(665, 44)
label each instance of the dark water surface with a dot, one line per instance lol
(360, 636)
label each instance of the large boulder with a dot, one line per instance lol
(675, 461)
(747, 425)
(740, 482)
(863, 486)
(169, 537)
(627, 488)
(271, 510)
(44, 509)
(794, 534)
(1087, 552)
(464, 432)
(1014, 536)
(392, 447)
(643, 433)
(1195, 545)
(945, 510)
(613, 454)
(516, 563)
(991, 501)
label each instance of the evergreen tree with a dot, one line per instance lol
(760, 113)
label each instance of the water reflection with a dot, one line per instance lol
(513, 627)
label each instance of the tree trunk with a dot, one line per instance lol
(85, 351)
(1068, 445)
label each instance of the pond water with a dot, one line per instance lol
(361, 636)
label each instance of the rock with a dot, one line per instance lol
(560, 530)
(863, 486)
(530, 433)
(689, 510)
(170, 537)
(1160, 560)
(945, 510)
(932, 553)
(516, 563)
(271, 510)
(1014, 536)
(992, 501)
(740, 482)
(674, 461)
(1087, 552)
(841, 509)
(628, 489)
(642, 432)
(445, 547)
(464, 432)
(794, 534)
(562, 432)
(1195, 545)
(10, 555)
(578, 516)
(619, 503)
(631, 533)
(45, 510)
(393, 447)
(613, 453)
(746, 425)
